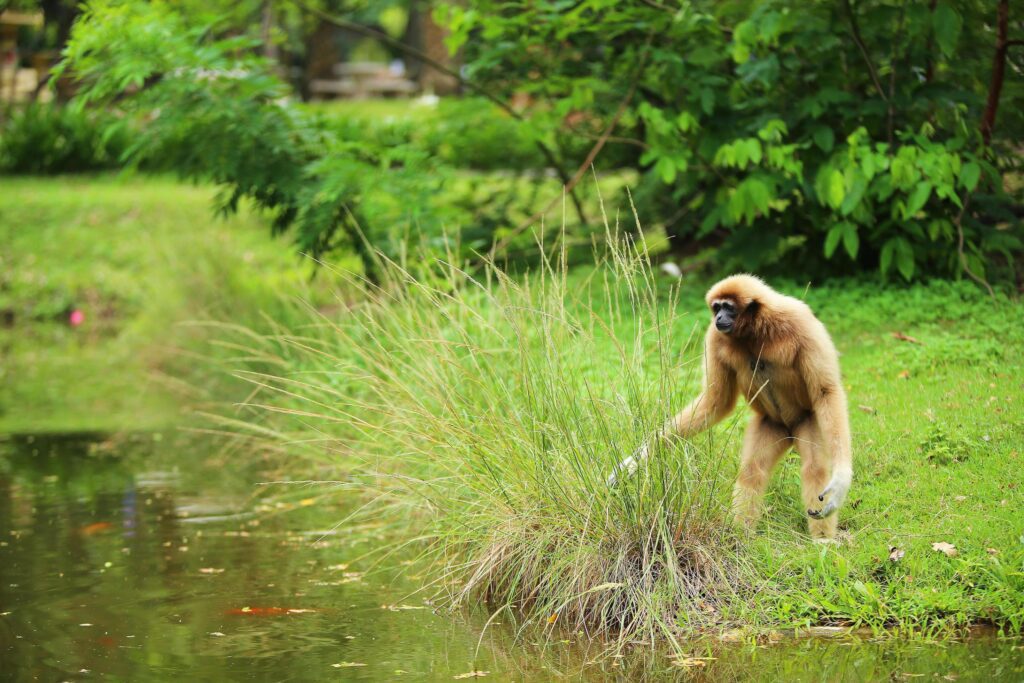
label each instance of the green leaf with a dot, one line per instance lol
(666, 169)
(969, 175)
(904, 258)
(858, 185)
(885, 258)
(836, 189)
(824, 138)
(686, 121)
(707, 100)
(754, 151)
(918, 198)
(851, 241)
(835, 233)
(947, 24)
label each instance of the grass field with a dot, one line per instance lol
(492, 410)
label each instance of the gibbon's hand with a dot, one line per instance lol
(838, 487)
(628, 467)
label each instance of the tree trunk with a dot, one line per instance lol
(427, 36)
(995, 88)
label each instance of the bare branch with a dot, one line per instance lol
(855, 32)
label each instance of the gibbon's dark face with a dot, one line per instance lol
(724, 312)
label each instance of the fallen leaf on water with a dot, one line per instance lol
(346, 665)
(96, 528)
(210, 570)
(472, 674)
(903, 337)
(218, 634)
(946, 548)
(896, 554)
(399, 608)
(267, 611)
(692, 662)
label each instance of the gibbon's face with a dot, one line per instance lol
(724, 313)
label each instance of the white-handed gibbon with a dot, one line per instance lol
(772, 348)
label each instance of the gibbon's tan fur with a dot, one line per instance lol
(781, 358)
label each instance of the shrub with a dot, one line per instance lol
(50, 139)
(488, 414)
(826, 135)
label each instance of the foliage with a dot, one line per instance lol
(45, 139)
(785, 131)
(216, 113)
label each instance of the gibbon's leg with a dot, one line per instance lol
(814, 476)
(764, 444)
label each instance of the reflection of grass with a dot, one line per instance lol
(136, 256)
(490, 412)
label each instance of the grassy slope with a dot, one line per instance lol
(137, 256)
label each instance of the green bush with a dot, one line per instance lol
(821, 135)
(50, 139)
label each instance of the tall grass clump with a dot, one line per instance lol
(486, 412)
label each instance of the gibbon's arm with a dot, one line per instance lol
(716, 400)
(825, 387)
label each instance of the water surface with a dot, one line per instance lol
(142, 558)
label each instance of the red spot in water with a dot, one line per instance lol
(266, 611)
(96, 528)
(76, 318)
(107, 641)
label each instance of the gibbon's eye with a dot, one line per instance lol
(728, 307)
(715, 306)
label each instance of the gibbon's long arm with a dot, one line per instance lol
(716, 400)
(829, 404)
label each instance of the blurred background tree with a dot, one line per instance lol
(829, 137)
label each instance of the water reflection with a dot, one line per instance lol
(115, 565)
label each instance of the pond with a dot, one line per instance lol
(142, 558)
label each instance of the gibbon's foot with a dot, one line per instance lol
(823, 512)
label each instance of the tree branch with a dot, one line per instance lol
(995, 88)
(855, 32)
(959, 223)
(623, 105)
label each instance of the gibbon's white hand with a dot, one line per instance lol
(628, 467)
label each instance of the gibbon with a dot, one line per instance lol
(772, 348)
